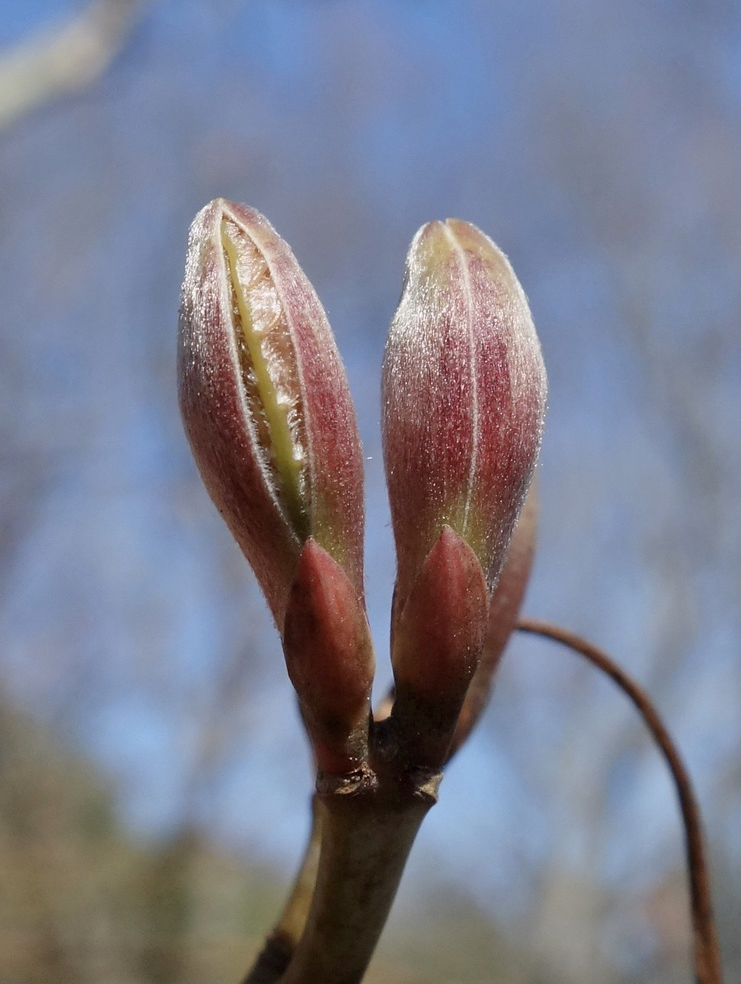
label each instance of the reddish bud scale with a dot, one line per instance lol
(440, 630)
(504, 610)
(437, 643)
(329, 656)
(265, 401)
(463, 399)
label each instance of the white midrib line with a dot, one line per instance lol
(468, 297)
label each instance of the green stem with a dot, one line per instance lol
(366, 839)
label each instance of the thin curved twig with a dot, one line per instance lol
(706, 953)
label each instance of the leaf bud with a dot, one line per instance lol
(329, 656)
(464, 391)
(436, 647)
(265, 401)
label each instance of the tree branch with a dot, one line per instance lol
(362, 831)
(366, 839)
(706, 953)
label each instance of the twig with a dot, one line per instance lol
(505, 605)
(706, 953)
(365, 844)
(367, 833)
(363, 829)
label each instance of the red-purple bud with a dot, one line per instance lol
(437, 642)
(329, 655)
(440, 629)
(265, 400)
(464, 392)
(504, 610)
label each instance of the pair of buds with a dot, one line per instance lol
(270, 420)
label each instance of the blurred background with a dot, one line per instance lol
(154, 780)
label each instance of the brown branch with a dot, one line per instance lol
(706, 953)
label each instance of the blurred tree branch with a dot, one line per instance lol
(65, 58)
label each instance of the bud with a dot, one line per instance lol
(437, 643)
(464, 392)
(504, 610)
(440, 630)
(265, 401)
(329, 655)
